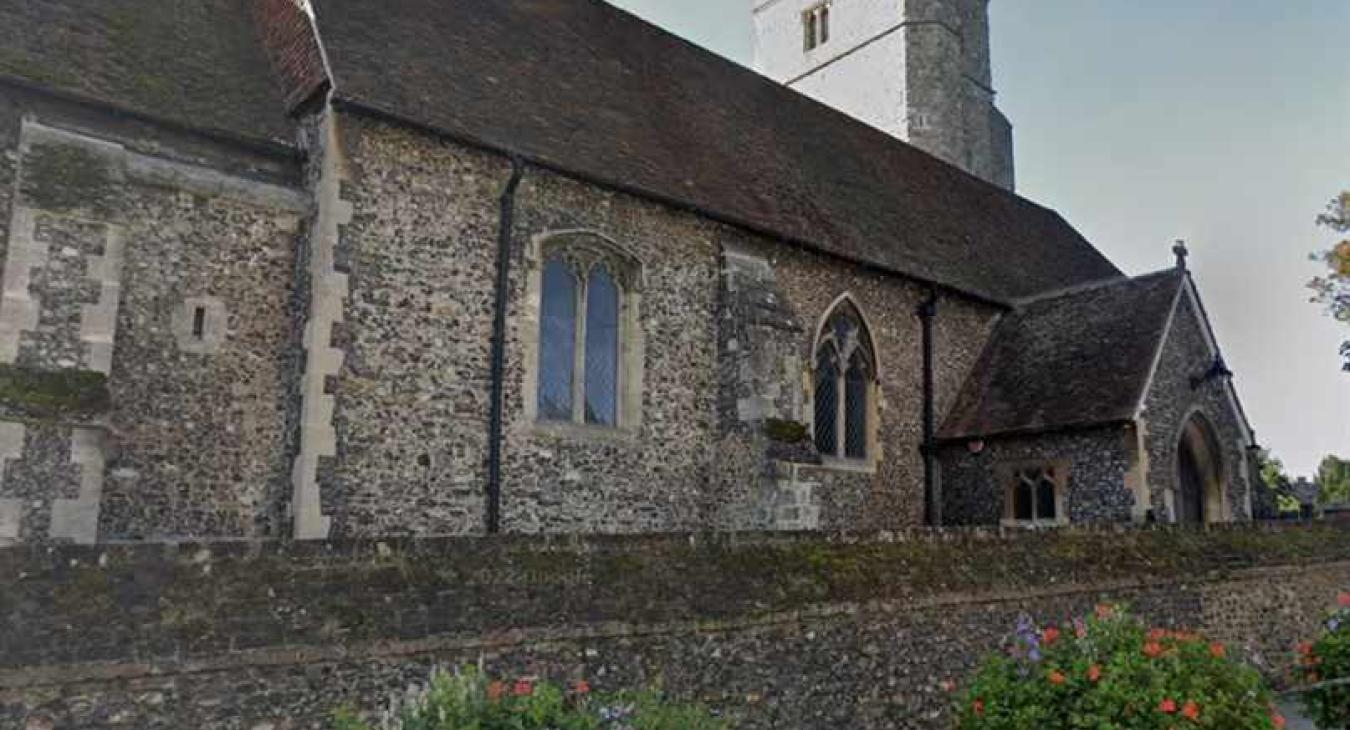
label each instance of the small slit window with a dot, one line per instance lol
(199, 322)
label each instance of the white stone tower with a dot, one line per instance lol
(917, 69)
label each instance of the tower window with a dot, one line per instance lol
(816, 26)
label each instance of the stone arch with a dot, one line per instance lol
(1198, 473)
(848, 300)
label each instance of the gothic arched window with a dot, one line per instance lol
(584, 306)
(845, 376)
(1035, 496)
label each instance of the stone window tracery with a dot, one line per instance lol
(585, 296)
(1035, 496)
(845, 376)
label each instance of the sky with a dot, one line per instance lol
(1222, 122)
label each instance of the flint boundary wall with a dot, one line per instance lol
(775, 630)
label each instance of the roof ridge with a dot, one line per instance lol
(1092, 286)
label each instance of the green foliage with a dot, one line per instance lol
(1273, 475)
(1110, 672)
(48, 393)
(1333, 288)
(1333, 475)
(788, 432)
(470, 700)
(1325, 664)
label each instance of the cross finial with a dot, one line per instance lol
(1180, 250)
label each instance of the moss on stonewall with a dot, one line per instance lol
(47, 394)
(788, 432)
(67, 177)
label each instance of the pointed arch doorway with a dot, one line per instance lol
(1198, 498)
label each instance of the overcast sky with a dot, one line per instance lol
(1223, 122)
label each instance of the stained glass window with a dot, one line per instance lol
(602, 348)
(557, 341)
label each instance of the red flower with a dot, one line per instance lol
(522, 687)
(1153, 650)
(1057, 677)
(1050, 636)
(1343, 600)
(1277, 719)
(978, 707)
(1104, 610)
(1190, 710)
(1094, 672)
(582, 687)
(1217, 651)
(1168, 705)
(1305, 648)
(496, 690)
(1157, 634)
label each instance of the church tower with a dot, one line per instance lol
(917, 69)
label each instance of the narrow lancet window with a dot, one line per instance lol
(557, 341)
(602, 348)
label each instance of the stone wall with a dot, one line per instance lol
(976, 478)
(889, 493)
(144, 328)
(1173, 398)
(726, 324)
(803, 631)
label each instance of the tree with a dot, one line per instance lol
(1272, 473)
(1334, 476)
(1333, 289)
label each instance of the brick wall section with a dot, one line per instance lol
(263, 634)
(288, 36)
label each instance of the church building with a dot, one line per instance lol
(457, 267)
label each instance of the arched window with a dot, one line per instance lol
(1035, 496)
(585, 294)
(845, 374)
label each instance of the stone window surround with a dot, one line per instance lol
(586, 247)
(210, 314)
(868, 464)
(1007, 474)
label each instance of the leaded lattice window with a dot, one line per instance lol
(844, 378)
(581, 331)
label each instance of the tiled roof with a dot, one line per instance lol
(197, 63)
(1074, 359)
(580, 86)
